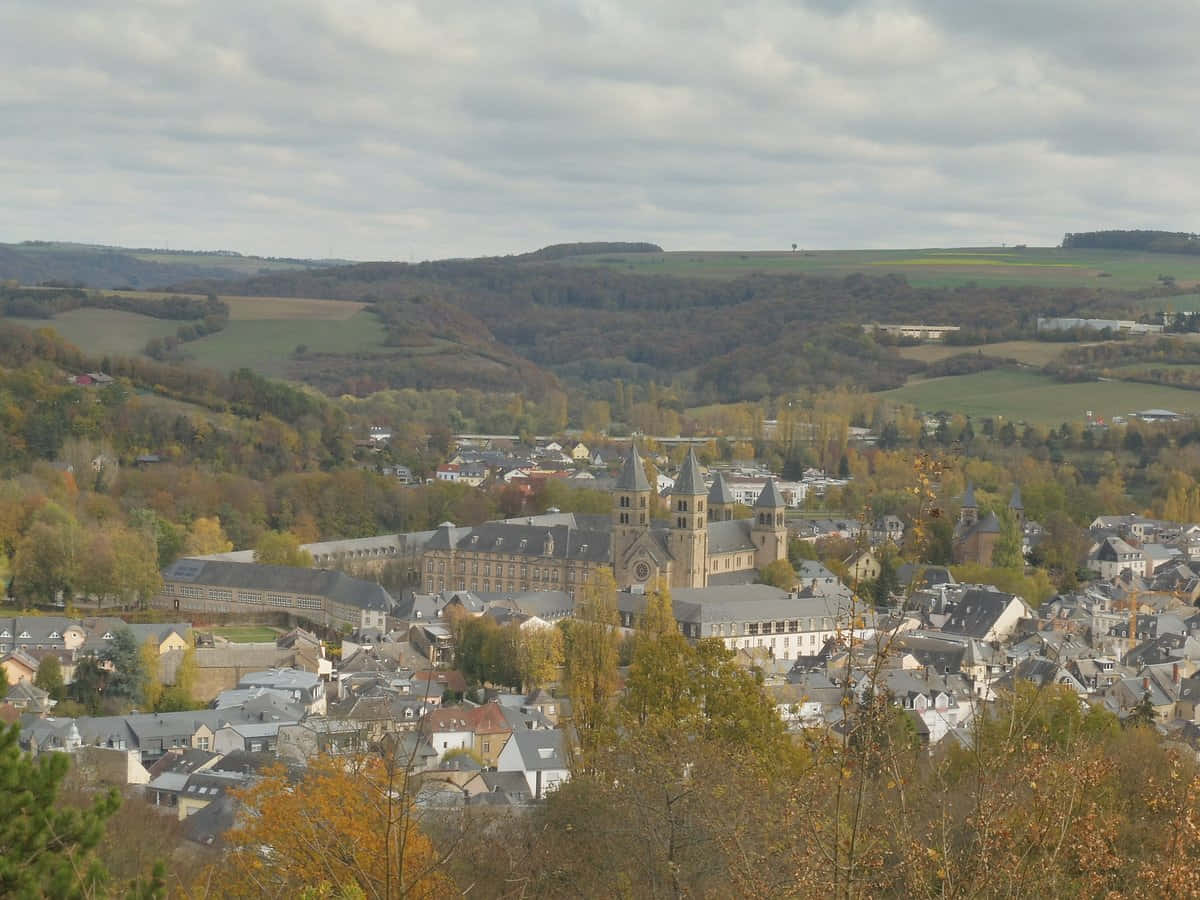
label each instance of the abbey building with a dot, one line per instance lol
(700, 544)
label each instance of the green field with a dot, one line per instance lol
(100, 331)
(266, 345)
(1046, 266)
(247, 634)
(1027, 396)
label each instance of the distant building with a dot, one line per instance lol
(318, 595)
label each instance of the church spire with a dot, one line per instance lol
(633, 473)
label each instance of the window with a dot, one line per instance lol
(249, 597)
(429, 566)
(779, 627)
(624, 501)
(752, 628)
(279, 599)
(487, 747)
(201, 743)
(681, 506)
(794, 625)
(308, 602)
(54, 635)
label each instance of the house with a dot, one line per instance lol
(19, 667)
(540, 755)
(300, 742)
(1114, 555)
(29, 698)
(861, 566)
(580, 452)
(987, 615)
(448, 729)
(304, 688)
(251, 737)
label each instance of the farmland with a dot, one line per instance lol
(103, 331)
(1023, 395)
(1032, 353)
(266, 345)
(1043, 266)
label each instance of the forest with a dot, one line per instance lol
(1146, 241)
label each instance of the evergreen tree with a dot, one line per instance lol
(46, 848)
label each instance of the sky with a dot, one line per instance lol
(368, 129)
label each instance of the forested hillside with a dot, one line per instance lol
(106, 268)
(714, 339)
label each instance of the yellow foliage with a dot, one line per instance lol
(344, 824)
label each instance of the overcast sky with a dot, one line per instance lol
(387, 130)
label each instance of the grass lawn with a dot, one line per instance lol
(1048, 266)
(1028, 396)
(251, 308)
(266, 345)
(100, 331)
(247, 634)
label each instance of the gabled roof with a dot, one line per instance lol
(688, 482)
(770, 498)
(541, 749)
(720, 493)
(633, 473)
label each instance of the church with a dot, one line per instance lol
(701, 544)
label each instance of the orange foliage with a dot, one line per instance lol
(330, 832)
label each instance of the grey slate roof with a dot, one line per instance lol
(689, 482)
(720, 493)
(313, 582)
(1015, 501)
(977, 612)
(770, 498)
(724, 537)
(968, 500)
(633, 473)
(531, 540)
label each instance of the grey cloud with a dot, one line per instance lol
(387, 130)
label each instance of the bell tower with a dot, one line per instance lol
(631, 511)
(689, 526)
(720, 500)
(769, 531)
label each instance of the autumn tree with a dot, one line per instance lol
(778, 574)
(591, 662)
(540, 655)
(49, 677)
(47, 557)
(281, 548)
(346, 823)
(206, 537)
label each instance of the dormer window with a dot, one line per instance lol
(108, 636)
(474, 539)
(54, 635)
(523, 543)
(499, 542)
(25, 635)
(4, 633)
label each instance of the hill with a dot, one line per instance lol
(96, 266)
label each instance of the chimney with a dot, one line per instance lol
(1146, 683)
(1175, 673)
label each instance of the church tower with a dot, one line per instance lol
(689, 526)
(769, 531)
(968, 514)
(631, 511)
(720, 500)
(1016, 507)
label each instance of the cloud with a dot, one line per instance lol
(379, 129)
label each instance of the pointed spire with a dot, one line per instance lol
(688, 482)
(633, 473)
(770, 498)
(720, 494)
(1015, 502)
(968, 500)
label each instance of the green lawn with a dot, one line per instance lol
(1026, 395)
(247, 634)
(1048, 266)
(267, 345)
(100, 331)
